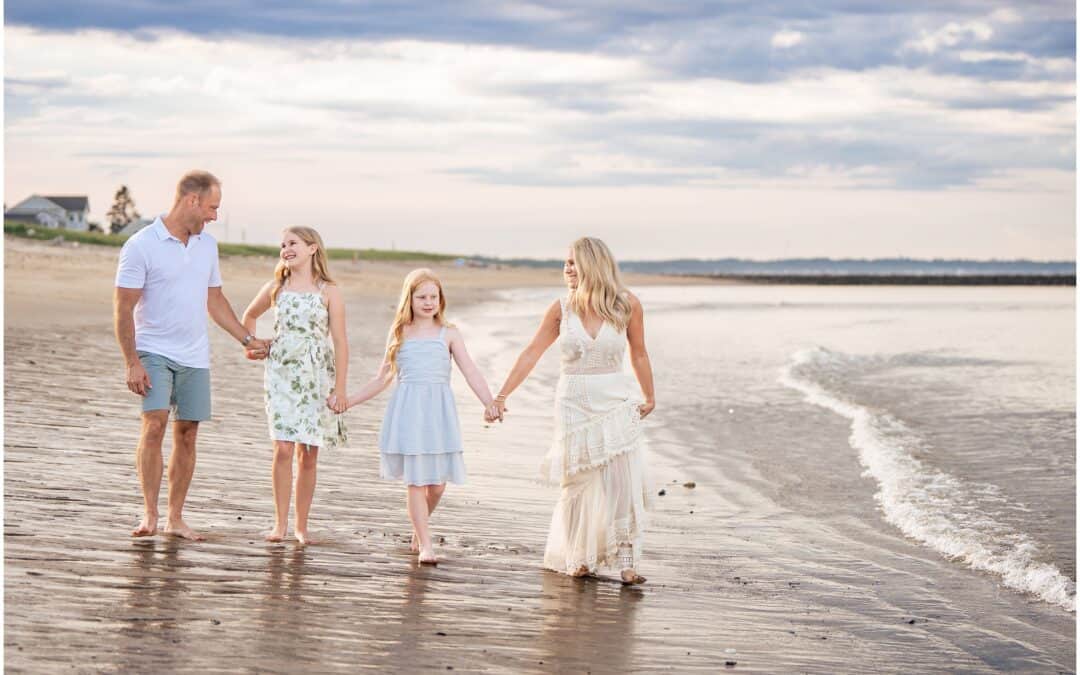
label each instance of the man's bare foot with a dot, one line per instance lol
(182, 530)
(147, 527)
(276, 534)
(427, 557)
(630, 577)
(303, 538)
(582, 571)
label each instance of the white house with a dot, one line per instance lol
(51, 211)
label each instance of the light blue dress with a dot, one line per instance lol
(420, 439)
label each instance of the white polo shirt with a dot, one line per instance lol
(171, 316)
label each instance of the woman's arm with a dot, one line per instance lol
(468, 368)
(639, 356)
(336, 309)
(545, 335)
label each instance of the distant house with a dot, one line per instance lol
(68, 213)
(134, 226)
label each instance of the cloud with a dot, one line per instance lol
(537, 97)
(950, 35)
(786, 38)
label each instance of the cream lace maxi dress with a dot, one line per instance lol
(299, 372)
(597, 456)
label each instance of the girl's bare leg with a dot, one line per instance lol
(307, 457)
(281, 477)
(417, 504)
(432, 493)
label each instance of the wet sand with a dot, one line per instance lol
(81, 595)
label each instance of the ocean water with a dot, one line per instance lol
(934, 424)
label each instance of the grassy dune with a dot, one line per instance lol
(47, 234)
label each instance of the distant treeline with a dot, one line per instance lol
(803, 269)
(794, 270)
(828, 267)
(903, 279)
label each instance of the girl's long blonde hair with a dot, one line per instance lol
(600, 289)
(320, 268)
(404, 315)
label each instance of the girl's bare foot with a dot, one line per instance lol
(414, 545)
(427, 557)
(303, 538)
(630, 577)
(276, 534)
(147, 527)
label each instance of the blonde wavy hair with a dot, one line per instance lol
(404, 314)
(600, 289)
(320, 268)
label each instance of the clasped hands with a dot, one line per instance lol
(257, 349)
(495, 411)
(338, 404)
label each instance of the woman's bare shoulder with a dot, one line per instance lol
(554, 310)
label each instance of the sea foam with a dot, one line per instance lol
(925, 503)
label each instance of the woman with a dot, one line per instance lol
(597, 456)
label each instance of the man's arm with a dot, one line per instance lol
(124, 301)
(223, 315)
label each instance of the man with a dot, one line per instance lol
(166, 283)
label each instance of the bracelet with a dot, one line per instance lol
(500, 397)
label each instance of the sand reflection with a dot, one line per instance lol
(283, 618)
(155, 605)
(588, 623)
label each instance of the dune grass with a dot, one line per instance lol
(95, 238)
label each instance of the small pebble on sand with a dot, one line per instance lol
(689, 484)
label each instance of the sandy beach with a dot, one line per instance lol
(82, 595)
(727, 589)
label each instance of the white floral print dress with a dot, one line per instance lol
(300, 373)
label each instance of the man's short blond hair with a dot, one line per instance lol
(196, 181)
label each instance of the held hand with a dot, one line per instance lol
(338, 404)
(645, 408)
(257, 349)
(498, 409)
(138, 381)
(491, 414)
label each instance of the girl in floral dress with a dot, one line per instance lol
(308, 363)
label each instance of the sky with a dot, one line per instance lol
(767, 129)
